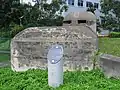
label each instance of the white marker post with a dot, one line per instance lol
(55, 66)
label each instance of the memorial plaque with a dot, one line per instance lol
(55, 54)
(55, 66)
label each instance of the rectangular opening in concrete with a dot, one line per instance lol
(81, 21)
(67, 22)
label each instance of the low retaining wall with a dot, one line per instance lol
(110, 65)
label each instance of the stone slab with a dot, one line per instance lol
(110, 65)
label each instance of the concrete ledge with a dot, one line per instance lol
(110, 65)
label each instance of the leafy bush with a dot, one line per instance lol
(10, 31)
(115, 34)
(15, 29)
(38, 80)
(5, 34)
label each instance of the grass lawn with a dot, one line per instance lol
(5, 45)
(110, 46)
(4, 57)
(37, 80)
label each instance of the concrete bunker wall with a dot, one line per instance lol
(29, 48)
(77, 18)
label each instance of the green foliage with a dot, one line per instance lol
(44, 14)
(115, 35)
(38, 80)
(15, 29)
(4, 33)
(111, 16)
(91, 8)
(94, 58)
(41, 14)
(7, 33)
(9, 12)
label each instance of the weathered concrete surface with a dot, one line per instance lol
(77, 18)
(110, 65)
(29, 48)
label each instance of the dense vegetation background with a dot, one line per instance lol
(110, 15)
(14, 16)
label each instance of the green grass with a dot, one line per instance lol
(4, 44)
(37, 80)
(4, 57)
(110, 46)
